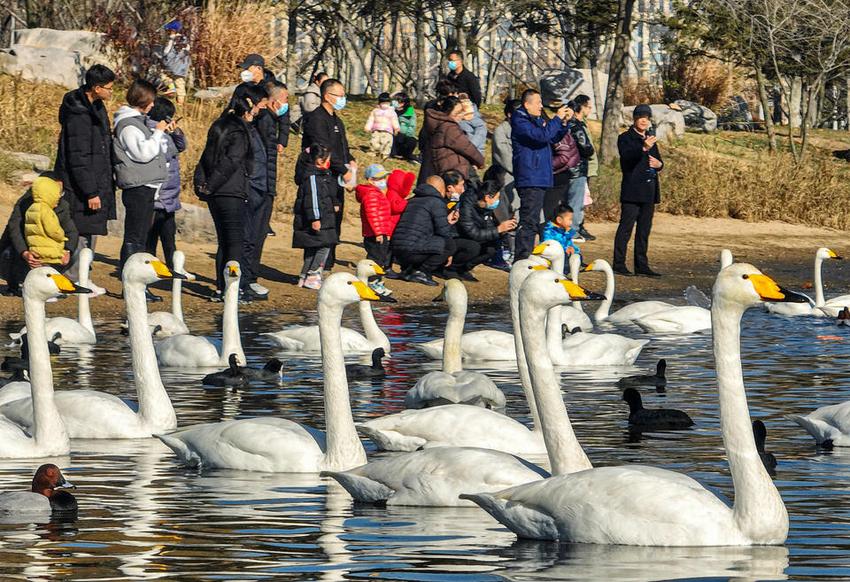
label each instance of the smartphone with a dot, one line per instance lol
(650, 130)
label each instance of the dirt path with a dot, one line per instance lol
(685, 249)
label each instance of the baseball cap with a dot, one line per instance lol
(251, 60)
(642, 110)
(376, 172)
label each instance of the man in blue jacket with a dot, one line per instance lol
(532, 138)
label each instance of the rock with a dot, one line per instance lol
(194, 223)
(24, 178)
(559, 84)
(736, 115)
(214, 93)
(37, 161)
(669, 124)
(697, 116)
(81, 41)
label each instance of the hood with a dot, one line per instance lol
(46, 191)
(363, 190)
(425, 190)
(433, 118)
(75, 103)
(124, 112)
(401, 182)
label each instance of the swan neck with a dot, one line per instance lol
(554, 339)
(373, 333)
(604, 309)
(521, 361)
(344, 449)
(565, 452)
(155, 408)
(177, 298)
(452, 358)
(83, 308)
(758, 509)
(48, 428)
(231, 342)
(819, 298)
(574, 267)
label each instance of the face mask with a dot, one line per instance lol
(380, 184)
(494, 205)
(454, 197)
(324, 165)
(246, 76)
(453, 65)
(394, 104)
(340, 103)
(384, 105)
(282, 110)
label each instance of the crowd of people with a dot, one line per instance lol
(455, 214)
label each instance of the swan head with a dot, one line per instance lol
(745, 285)
(232, 273)
(598, 265)
(368, 268)
(551, 250)
(146, 269)
(345, 289)
(825, 254)
(547, 289)
(47, 479)
(521, 269)
(44, 283)
(454, 294)
(178, 259)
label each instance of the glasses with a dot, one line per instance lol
(337, 95)
(106, 87)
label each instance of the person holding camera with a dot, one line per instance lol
(532, 138)
(640, 162)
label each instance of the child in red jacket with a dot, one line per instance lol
(399, 186)
(376, 220)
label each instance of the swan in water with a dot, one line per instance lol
(88, 414)
(648, 506)
(829, 425)
(278, 445)
(453, 385)
(820, 307)
(305, 338)
(46, 483)
(171, 322)
(46, 437)
(78, 331)
(573, 316)
(192, 351)
(437, 476)
(468, 426)
(695, 296)
(627, 313)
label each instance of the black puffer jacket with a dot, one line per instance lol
(84, 161)
(476, 223)
(578, 129)
(315, 201)
(274, 131)
(424, 225)
(227, 162)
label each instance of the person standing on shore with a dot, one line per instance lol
(84, 160)
(532, 138)
(465, 79)
(640, 162)
(578, 173)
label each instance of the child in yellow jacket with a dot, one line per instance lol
(44, 234)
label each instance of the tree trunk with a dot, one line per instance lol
(765, 105)
(795, 102)
(421, 70)
(614, 93)
(598, 97)
(291, 40)
(460, 32)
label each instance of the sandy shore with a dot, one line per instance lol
(685, 249)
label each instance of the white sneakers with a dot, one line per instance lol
(258, 289)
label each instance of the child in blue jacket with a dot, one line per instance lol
(559, 229)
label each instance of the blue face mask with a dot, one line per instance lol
(283, 109)
(380, 184)
(340, 103)
(394, 104)
(494, 205)
(453, 65)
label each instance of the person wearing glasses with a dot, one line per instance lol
(323, 126)
(84, 157)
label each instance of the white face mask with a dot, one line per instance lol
(246, 76)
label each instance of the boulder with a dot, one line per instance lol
(669, 123)
(24, 178)
(194, 223)
(214, 93)
(697, 117)
(36, 161)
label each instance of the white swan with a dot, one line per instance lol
(829, 425)
(78, 331)
(695, 296)
(47, 436)
(819, 307)
(99, 415)
(278, 445)
(465, 426)
(437, 476)
(680, 320)
(171, 322)
(305, 338)
(192, 351)
(453, 385)
(573, 315)
(639, 505)
(627, 313)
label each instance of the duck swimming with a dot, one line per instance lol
(362, 372)
(649, 419)
(658, 380)
(236, 376)
(46, 484)
(760, 434)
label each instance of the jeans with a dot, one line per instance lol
(575, 195)
(529, 220)
(138, 206)
(228, 214)
(314, 261)
(259, 211)
(164, 228)
(631, 213)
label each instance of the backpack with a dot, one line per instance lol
(565, 155)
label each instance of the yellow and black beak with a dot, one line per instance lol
(539, 268)
(833, 255)
(586, 268)
(379, 271)
(770, 291)
(539, 249)
(164, 272)
(65, 285)
(578, 293)
(232, 271)
(364, 291)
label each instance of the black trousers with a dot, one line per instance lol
(138, 206)
(329, 265)
(404, 146)
(554, 196)
(630, 214)
(259, 212)
(531, 203)
(228, 214)
(163, 228)
(471, 253)
(425, 262)
(378, 251)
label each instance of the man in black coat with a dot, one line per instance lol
(465, 79)
(323, 126)
(640, 162)
(84, 156)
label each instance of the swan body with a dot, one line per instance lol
(453, 385)
(280, 445)
(647, 506)
(100, 415)
(192, 351)
(828, 425)
(628, 313)
(171, 322)
(600, 349)
(681, 320)
(306, 338)
(481, 345)
(819, 306)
